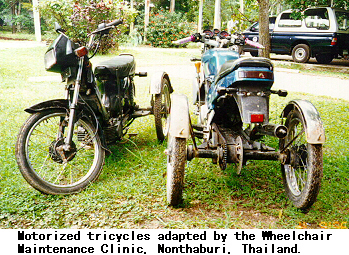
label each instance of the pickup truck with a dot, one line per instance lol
(323, 33)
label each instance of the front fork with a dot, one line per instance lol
(72, 107)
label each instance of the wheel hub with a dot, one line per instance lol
(300, 54)
(298, 156)
(58, 154)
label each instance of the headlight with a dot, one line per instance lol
(50, 59)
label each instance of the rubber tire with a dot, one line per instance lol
(301, 47)
(176, 160)
(324, 58)
(162, 99)
(33, 178)
(307, 196)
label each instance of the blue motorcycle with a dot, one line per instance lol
(231, 95)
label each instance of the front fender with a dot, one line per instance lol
(314, 129)
(50, 104)
(156, 82)
(64, 104)
(179, 116)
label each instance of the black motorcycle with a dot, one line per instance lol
(61, 147)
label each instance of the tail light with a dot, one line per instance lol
(257, 118)
(256, 75)
(82, 51)
(334, 41)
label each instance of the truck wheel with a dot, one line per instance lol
(324, 58)
(301, 53)
(176, 160)
(303, 170)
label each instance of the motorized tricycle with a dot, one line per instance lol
(231, 95)
(62, 146)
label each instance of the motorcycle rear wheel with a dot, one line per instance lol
(302, 174)
(162, 104)
(176, 159)
(43, 166)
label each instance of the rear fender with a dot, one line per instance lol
(314, 129)
(156, 83)
(179, 116)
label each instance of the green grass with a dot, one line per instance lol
(131, 191)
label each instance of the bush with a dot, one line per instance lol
(79, 18)
(165, 27)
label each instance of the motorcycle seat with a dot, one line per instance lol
(232, 65)
(120, 66)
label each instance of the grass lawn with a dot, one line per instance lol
(131, 191)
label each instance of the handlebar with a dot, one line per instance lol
(104, 28)
(234, 39)
(114, 23)
(254, 44)
(212, 43)
(184, 40)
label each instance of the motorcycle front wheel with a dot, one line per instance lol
(43, 162)
(303, 172)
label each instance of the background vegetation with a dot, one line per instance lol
(81, 17)
(131, 191)
(165, 27)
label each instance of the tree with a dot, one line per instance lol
(17, 11)
(303, 4)
(217, 15)
(172, 5)
(264, 37)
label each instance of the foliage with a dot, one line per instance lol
(82, 17)
(18, 14)
(303, 4)
(165, 27)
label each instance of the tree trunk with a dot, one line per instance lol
(19, 13)
(264, 37)
(146, 18)
(217, 15)
(13, 10)
(172, 5)
(201, 3)
(132, 25)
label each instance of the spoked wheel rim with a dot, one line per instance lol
(162, 106)
(42, 142)
(302, 165)
(296, 171)
(165, 108)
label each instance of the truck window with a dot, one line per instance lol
(255, 27)
(287, 21)
(342, 20)
(317, 18)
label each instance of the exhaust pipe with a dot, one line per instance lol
(279, 131)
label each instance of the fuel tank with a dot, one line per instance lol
(213, 59)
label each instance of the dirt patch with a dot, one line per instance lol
(12, 39)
